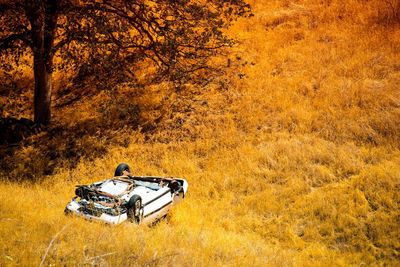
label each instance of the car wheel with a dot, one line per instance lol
(121, 168)
(67, 212)
(175, 186)
(134, 211)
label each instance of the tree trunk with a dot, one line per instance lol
(43, 86)
(43, 19)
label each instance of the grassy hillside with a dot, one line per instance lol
(292, 157)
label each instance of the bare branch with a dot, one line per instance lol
(9, 41)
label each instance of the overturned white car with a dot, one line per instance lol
(139, 199)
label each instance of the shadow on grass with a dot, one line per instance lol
(31, 152)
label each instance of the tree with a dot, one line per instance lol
(177, 36)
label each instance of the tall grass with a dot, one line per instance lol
(294, 162)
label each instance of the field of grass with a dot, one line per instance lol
(292, 157)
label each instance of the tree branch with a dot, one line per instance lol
(8, 42)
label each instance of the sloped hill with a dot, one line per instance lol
(292, 156)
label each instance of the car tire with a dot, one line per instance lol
(175, 186)
(121, 168)
(67, 212)
(134, 209)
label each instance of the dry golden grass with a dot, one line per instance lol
(296, 164)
